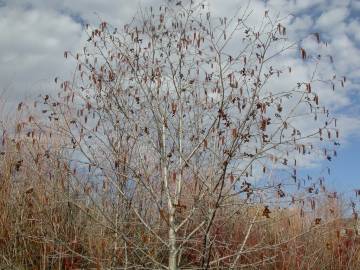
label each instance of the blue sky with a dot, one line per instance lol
(34, 35)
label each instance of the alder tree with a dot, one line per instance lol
(178, 123)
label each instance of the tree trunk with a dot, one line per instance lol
(172, 232)
(172, 244)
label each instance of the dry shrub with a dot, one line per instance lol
(49, 221)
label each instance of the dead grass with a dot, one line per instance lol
(52, 219)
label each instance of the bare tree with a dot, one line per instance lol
(177, 122)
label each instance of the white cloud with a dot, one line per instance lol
(332, 18)
(353, 29)
(294, 6)
(303, 23)
(31, 46)
(349, 127)
(346, 54)
(355, 5)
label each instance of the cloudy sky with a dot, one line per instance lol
(35, 33)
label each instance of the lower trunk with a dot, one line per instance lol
(172, 246)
